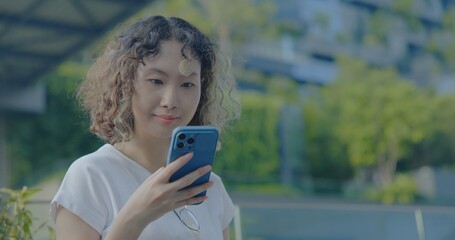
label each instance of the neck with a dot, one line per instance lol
(149, 154)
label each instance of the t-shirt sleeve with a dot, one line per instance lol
(82, 192)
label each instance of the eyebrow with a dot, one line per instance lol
(159, 71)
(155, 70)
(192, 74)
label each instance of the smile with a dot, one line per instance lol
(166, 119)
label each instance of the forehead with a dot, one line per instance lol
(173, 48)
(170, 57)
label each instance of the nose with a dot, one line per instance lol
(169, 98)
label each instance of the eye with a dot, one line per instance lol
(156, 81)
(188, 85)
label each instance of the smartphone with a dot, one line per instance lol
(202, 141)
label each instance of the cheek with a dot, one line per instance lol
(139, 106)
(197, 99)
(193, 102)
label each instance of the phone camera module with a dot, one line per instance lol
(182, 136)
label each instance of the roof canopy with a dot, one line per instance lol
(37, 35)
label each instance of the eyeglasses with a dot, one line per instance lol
(189, 220)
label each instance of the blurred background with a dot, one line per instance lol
(348, 107)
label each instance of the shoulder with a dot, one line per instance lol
(85, 188)
(95, 161)
(99, 168)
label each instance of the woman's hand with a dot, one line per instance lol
(157, 196)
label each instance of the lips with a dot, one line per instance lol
(166, 119)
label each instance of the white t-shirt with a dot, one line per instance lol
(97, 186)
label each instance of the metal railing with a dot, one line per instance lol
(322, 221)
(334, 221)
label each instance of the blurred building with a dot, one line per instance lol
(407, 35)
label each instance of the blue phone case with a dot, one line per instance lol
(202, 141)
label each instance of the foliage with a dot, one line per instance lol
(285, 88)
(444, 117)
(326, 155)
(267, 189)
(405, 9)
(439, 149)
(376, 29)
(377, 115)
(402, 190)
(442, 43)
(250, 150)
(39, 141)
(15, 219)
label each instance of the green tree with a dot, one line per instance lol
(326, 155)
(377, 115)
(438, 149)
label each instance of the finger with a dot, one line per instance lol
(191, 192)
(191, 177)
(158, 171)
(177, 164)
(188, 196)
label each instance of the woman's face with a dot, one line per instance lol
(167, 90)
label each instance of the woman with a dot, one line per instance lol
(155, 76)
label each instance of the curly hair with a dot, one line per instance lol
(107, 90)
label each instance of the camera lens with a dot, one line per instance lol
(182, 136)
(190, 140)
(180, 145)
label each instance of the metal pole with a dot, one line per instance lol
(419, 224)
(237, 224)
